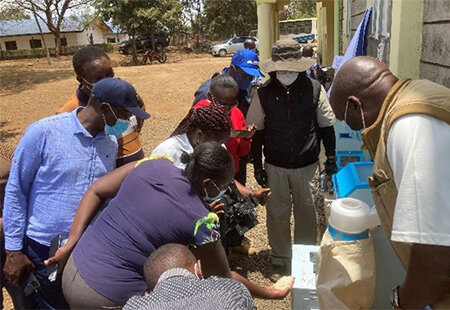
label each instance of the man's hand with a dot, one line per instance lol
(251, 130)
(260, 193)
(16, 265)
(280, 294)
(331, 166)
(61, 257)
(261, 177)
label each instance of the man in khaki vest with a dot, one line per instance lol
(405, 126)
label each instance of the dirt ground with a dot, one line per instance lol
(32, 89)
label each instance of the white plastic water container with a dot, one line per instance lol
(351, 181)
(351, 219)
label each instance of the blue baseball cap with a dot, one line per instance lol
(248, 61)
(119, 93)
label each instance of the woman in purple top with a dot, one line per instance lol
(156, 204)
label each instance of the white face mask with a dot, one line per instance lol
(286, 77)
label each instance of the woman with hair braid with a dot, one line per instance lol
(208, 123)
(205, 124)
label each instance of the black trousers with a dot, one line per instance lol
(241, 175)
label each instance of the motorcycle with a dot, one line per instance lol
(151, 55)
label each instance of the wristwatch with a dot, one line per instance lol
(395, 300)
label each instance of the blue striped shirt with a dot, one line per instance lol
(54, 164)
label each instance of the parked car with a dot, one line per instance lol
(231, 45)
(144, 42)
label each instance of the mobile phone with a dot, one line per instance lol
(238, 133)
(30, 284)
(55, 244)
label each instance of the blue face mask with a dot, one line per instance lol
(119, 127)
(218, 196)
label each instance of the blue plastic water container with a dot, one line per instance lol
(352, 181)
(345, 157)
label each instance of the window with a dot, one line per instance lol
(35, 43)
(63, 41)
(10, 45)
(111, 40)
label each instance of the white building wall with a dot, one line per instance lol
(97, 36)
(23, 42)
(73, 38)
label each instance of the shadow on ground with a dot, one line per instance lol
(245, 264)
(6, 134)
(15, 79)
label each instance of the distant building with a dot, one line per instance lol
(24, 34)
(298, 26)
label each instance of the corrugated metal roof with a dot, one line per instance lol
(28, 26)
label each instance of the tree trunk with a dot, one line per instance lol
(42, 36)
(58, 49)
(134, 54)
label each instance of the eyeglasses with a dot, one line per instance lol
(88, 85)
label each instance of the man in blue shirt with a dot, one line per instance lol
(56, 161)
(243, 69)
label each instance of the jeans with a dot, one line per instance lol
(49, 295)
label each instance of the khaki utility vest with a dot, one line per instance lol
(406, 97)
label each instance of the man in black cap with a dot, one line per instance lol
(91, 64)
(56, 161)
(292, 115)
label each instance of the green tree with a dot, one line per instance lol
(193, 18)
(9, 12)
(226, 18)
(302, 9)
(141, 16)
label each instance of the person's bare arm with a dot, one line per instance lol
(214, 262)
(104, 188)
(428, 276)
(140, 121)
(246, 192)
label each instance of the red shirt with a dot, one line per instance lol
(237, 147)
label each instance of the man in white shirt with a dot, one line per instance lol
(406, 128)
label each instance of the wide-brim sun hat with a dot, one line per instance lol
(287, 56)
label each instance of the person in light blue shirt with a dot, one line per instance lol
(56, 161)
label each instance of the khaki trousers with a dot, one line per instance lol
(79, 294)
(290, 188)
